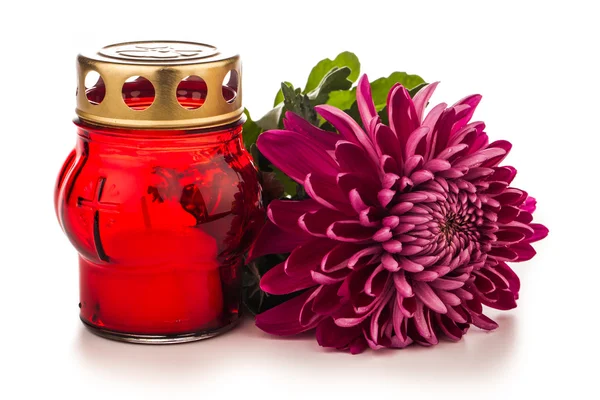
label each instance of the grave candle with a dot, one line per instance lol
(159, 197)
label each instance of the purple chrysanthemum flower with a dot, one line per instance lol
(407, 230)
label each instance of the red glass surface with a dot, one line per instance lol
(161, 220)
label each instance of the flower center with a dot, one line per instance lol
(451, 226)
(458, 222)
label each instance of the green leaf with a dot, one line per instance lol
(353, 112)
(342, 99)
(299, 103)
(383, 114)
(345, 59)
(271, 119)
(381, 87)
(251, 130)
(279, 96)
(336, 79)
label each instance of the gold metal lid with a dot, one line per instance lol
(185, 86)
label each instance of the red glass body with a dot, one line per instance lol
(161, 220)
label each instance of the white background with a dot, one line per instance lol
(534, 62)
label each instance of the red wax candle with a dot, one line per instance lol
(160, 213)
(166, 282)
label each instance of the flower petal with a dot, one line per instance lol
(326, 139)
(529, 205)
(348, 128)
(350, 231)
(421, 322)
(329, 278)
(524, 251)
(436, 165)
(539, 232)
(501, 144)
(307, 257)
(399, 322)
(367, 251)
(387, 144)
(284, 319)
(447, 284)
(358, 345)
(506, 301)
(422, 98)
(324, 190)
(402, 115)
(514, 282)
(307, 316)
(317, 222)
(273, 240)
(402, 285)
(275, 281)
(285, 213)
(409, 266)
(328, 334)
(346, 317)
(428, 297)
(389, 262)
(366, 188)
(352, 158)
(294, 155)
(471, 101)
(364, 101)
(339, 256)
(327, 300)
(478, 158)
(376, 281)
(449, 327)
(392, 246)
(483, 322)
(504, 253)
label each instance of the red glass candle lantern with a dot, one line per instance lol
(159, 197)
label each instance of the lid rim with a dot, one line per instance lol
(164, 63)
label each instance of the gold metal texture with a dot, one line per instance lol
(165, 64)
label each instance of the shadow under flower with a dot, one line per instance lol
(479, 354)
